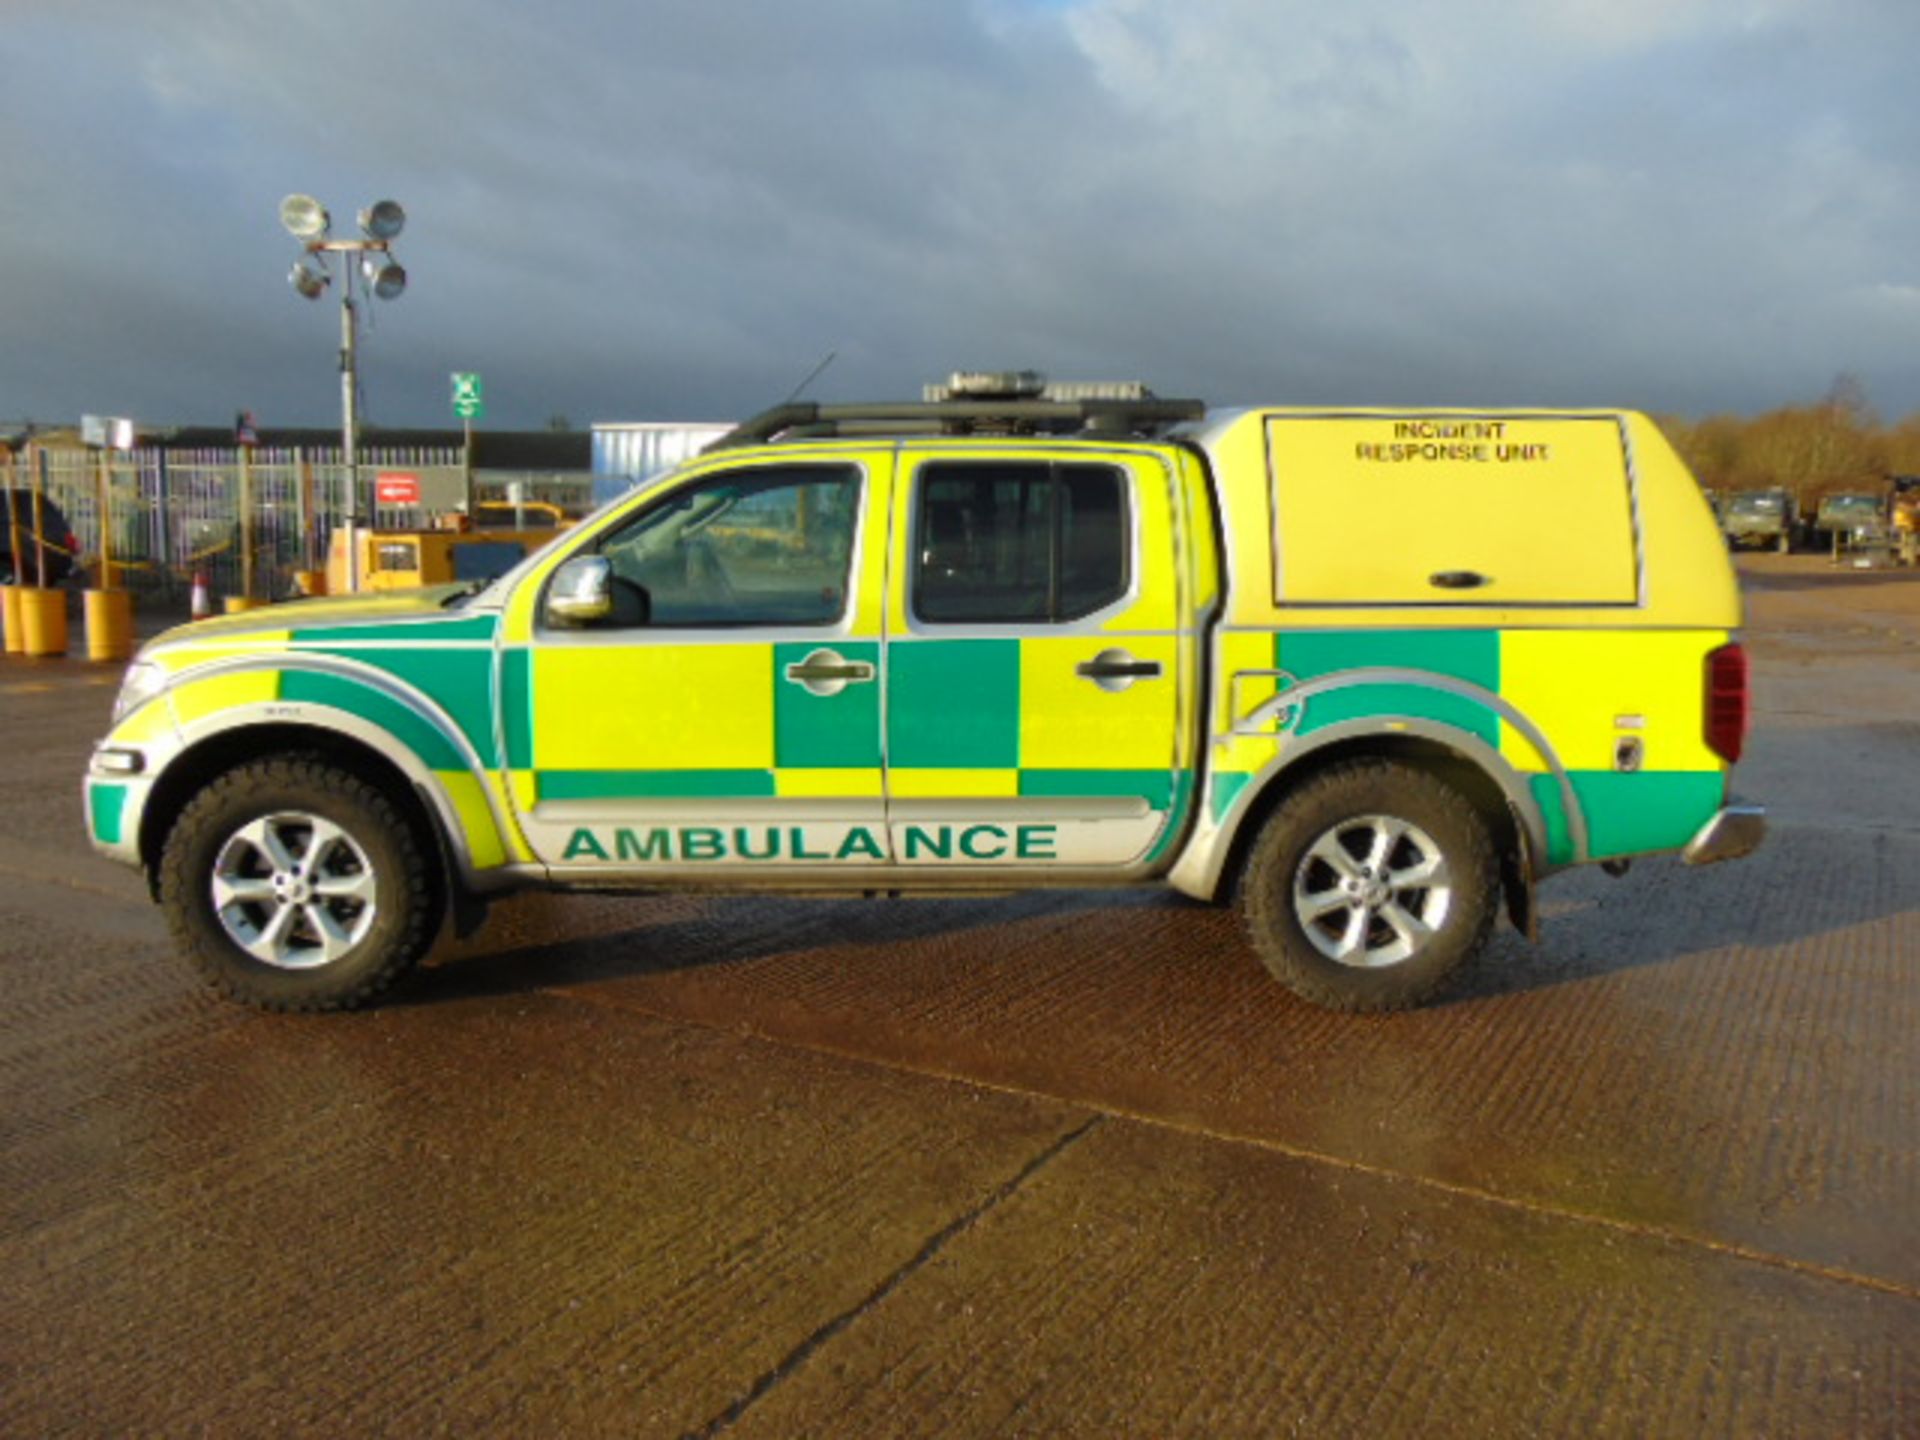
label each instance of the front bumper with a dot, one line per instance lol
(114, 801)
(1735, 831)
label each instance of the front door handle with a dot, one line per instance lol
(1114, 670)
(827, 672)
(1458, 579)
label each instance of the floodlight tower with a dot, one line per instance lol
(371, 256)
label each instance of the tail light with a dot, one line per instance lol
(1727, 703)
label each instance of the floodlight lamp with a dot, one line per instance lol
(307, 280)
(304, 217)
(383, 220)
(389, 281)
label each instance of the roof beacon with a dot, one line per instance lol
(988, 385)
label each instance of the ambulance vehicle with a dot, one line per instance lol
(1370, 675)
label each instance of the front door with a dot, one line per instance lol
(728, 712)
(1033, 660)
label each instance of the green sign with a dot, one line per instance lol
(469, 396)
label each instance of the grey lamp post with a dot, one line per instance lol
(371, 259)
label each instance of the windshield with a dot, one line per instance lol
(1756, 504)
(1851, 504)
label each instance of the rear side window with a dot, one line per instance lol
(1024, 542)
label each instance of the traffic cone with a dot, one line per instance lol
(202, 599)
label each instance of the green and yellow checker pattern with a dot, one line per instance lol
(963, 718)
(1583, 690)
(714, 718)
(989, 715)
(1010, 717)
(665, 721)
(945, 717)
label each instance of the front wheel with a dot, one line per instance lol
(1370, 887)
(294, 885)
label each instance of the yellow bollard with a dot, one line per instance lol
(43, 620)
(234, 604)
(10, 622)
(109, 616)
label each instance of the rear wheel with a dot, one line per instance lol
(294, 885)
(1370, 887)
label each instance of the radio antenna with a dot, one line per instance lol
(812, 375)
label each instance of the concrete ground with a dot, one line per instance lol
(1062, 1164)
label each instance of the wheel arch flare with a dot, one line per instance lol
(228, 712)
(1234, 811)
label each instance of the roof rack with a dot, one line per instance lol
(1144, 418)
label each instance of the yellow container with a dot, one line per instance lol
(43, 620)
(236, 603)
(109, 616)
(408, 559)
(10, 622)
(310, 582)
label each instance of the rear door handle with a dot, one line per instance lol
(1459, 579)
(1116, 670)
(827, 672)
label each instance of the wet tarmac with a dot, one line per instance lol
(1054, 1164)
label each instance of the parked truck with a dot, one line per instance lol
(1764, 519)
(1856, 514)
(1857, 525)
(1368, 674)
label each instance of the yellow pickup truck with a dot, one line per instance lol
(1365, 673)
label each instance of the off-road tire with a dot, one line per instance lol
(407, 896)
(1346, 794)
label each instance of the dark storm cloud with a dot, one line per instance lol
(673, 210)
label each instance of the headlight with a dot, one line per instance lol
(142, 682)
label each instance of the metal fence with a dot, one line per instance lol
(151, 520)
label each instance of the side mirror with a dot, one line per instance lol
(581, 592)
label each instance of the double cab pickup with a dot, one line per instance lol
(1370, 675)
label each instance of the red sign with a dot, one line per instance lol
(396, 487)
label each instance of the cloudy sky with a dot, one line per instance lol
(672, 209)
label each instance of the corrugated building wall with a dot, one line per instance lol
(626, 454)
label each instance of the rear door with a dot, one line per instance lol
(1036, 656)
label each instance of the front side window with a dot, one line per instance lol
(1015, 543)
(768, 546)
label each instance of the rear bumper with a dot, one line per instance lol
(1735, 831)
